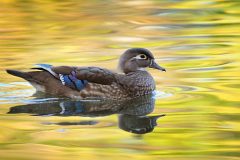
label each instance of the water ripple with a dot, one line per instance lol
(218, 67)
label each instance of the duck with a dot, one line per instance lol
(94, 82)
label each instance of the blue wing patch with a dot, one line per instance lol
(67, 80)
(72, 82)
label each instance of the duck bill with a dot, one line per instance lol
(156, 66)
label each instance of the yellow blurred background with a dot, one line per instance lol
(198, 41)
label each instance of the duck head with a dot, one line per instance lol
(137, 59)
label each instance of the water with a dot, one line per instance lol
(196, 40)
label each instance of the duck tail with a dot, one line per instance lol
(20, 74)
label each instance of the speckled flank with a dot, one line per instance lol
(104, 91)
(132, 85)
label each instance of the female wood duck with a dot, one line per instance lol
(95, 82)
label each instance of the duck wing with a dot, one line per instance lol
(90, 74)
(73, 77)
(46, 67)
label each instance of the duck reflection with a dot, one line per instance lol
(138, 124)
(132, 113)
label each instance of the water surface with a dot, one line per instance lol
(196, 40)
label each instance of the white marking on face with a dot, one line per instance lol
(141, 56)
(141, 69)
(151, 62)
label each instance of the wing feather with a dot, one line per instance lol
(91, 74)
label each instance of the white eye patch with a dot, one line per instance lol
(141, 56)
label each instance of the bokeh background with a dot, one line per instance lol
(197, 41)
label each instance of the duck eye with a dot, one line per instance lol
(143, 56)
